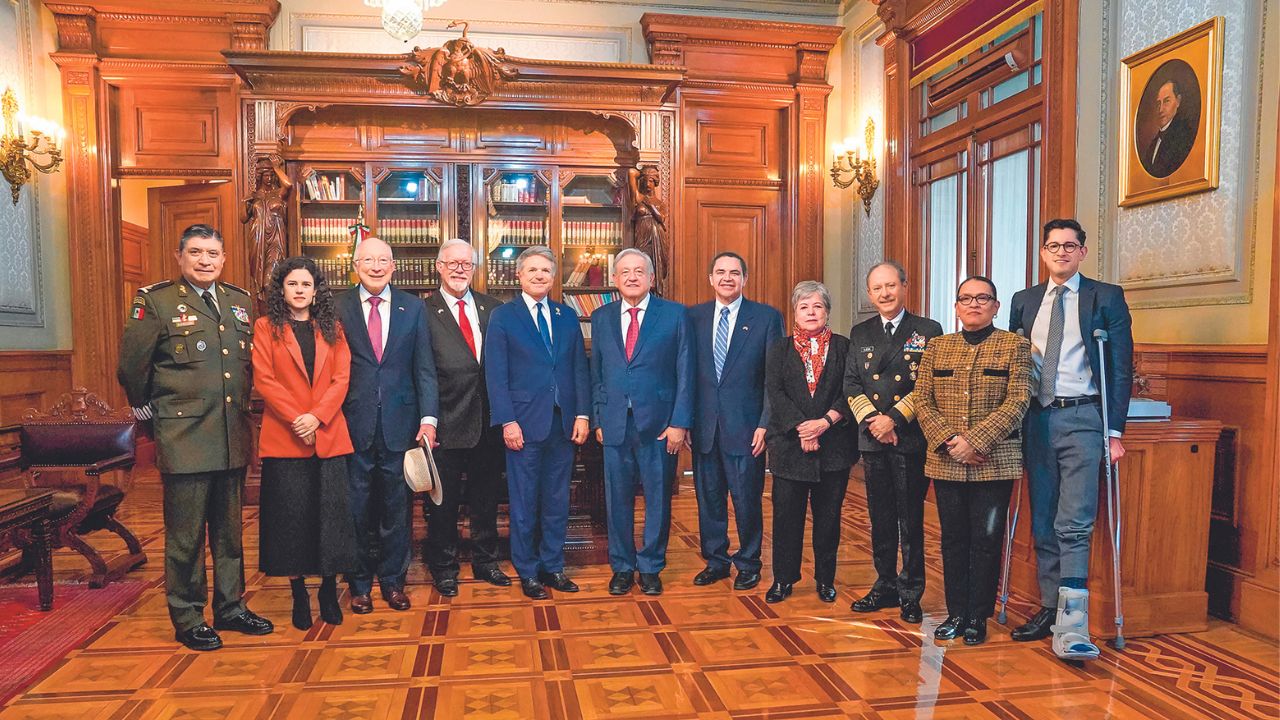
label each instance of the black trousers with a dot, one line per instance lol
(972, 515)
(482, 468)
(790, 499)
(896, 487)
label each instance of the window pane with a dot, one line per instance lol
(946, 243)
(1011, 209)
(1009, 88)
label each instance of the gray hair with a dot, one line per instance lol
(455, 242)
(805, 288)
(902, 272)
(648, 261)
(536, 251)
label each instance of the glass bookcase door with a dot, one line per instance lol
(592, 233)
(515, 216)
(409, 218)
(330, 203)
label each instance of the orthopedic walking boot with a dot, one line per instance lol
(1071, 631)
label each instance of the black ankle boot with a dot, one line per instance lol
(301, 603)
(330, 610)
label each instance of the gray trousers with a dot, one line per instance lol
(1062, 450)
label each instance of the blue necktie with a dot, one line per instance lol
(544, 329)
(721, 346)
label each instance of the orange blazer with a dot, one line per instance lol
(281, 378)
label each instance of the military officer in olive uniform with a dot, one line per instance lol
(184, 364)
(880, 375)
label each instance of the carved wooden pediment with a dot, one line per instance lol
(458, 73)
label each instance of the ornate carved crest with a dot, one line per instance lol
(458, 73)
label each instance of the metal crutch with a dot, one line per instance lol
(1011, 523)
(1113, 490)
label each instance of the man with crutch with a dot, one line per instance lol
(1063, 430)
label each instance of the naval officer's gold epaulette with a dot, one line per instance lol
(155, 286)
(229, 286)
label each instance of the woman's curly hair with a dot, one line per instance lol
(322, 311)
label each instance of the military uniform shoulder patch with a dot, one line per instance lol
(155, 286)
(229, 286)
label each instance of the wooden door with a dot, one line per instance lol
(173, 209)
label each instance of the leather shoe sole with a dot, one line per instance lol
(361, 604)
(201, 637)
(710, 575)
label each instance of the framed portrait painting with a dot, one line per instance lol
(1170, 114)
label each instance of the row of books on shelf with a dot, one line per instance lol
(409, 230)
(336, 271)
(513, 192)
(336, 231)
(502, 271)
(588, 232)
(591, 270)
(521, 232)
(417, 271)
(586, 303)
(320, 187)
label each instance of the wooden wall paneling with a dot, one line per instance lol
(895, 173)
(172, 209)
(135, 251)
(742, 220)
(176, 128)
(1061, 45)
(33, 379)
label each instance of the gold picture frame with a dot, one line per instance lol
(1171, 116)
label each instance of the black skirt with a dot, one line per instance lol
(304, 524)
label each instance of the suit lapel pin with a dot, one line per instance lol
(400, 308)
(557, 312)
(481, 308)
(745, 328)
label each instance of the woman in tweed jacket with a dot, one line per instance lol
(973, 388)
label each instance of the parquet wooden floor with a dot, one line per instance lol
(692, 653)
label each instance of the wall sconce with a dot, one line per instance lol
(16, 153)
(849, 163)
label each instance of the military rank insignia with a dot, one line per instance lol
(241, 314)
(915, 343)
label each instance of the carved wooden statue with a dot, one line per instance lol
(649, 223)
(266, 213)
(459, 73)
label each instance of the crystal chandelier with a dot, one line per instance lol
(402, 19)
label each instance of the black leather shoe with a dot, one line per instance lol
(650, 584)
(361, 604)
(826, 593)
(395, 597)
(875, 600)
(559, 582)
(447, 587)
(975, 633)
(246, 622)
(778, 592)
(533, 589)
(621, 582)
(1039, 627)
(493, 576)
(911, 612)
(710, 575)
(746, 580)
(950, 629)
(200, 637)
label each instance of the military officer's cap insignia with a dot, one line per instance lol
(916, 343)
(200, 345)
(242, 314)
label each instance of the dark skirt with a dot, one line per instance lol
(305, 527)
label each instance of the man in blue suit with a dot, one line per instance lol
(730, 335)
(641, 371)
(540, 393)
(392, 404)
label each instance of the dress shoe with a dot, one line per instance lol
(533, 589)
(1039, 627)
(778, 592)
(395, 597)
(492, 575)
(200, 637)
(246, 622)
(621, 582)
(975, 633)
(710, 575)
(911, 612)
(950, 629)
(875, 600)
(361, 604)
(746, 580)
(558, 581)
(448, 587)
(650, 584)
(826, 593)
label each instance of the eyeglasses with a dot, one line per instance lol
(1055, 247)
(980, 300)
(374, 262)
(465, 265)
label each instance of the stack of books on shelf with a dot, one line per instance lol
(516, 232)
(336, 271)
(320, 187)
(588, 232)
(401, 231)
(417, 271)
(327, 231)
(502, 272)
(586, 303)
(592, 270)
(514, 193)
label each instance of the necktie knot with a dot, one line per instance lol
(374, 300)
(888, 328)
(724, 312)
(635, 313)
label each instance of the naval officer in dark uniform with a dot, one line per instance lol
(184, 364)
(879, 378)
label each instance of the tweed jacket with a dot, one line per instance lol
(978, 391)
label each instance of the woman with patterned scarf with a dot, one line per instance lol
(811, 446)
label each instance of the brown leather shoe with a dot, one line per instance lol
(395, 597)
(361, 604)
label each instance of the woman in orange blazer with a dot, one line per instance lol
(301, 367)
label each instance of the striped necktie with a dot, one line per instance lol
(721, 346)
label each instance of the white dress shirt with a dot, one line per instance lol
(473, 315)
(734, 307)
(626, 315)
(384, 312)
(1075, 379)
(533, 311)
(896, 320)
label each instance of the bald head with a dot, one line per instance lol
(374, 264)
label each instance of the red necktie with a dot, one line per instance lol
(464, 324)
(633, 331)
(375, 327)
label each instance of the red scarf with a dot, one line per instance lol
(813, 359)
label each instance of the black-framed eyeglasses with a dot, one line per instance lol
(980, 300)
(1056, 247)
(465, 265)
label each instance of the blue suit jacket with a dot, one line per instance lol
(403, 385)
(1102, 307)
(736, 404)
(525, 383)
(657, 382)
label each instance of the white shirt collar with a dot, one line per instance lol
(734, 306)
(530, 302)
(1072, 283)
(452, 300)
(897, 319)
(643, 304)
(365, 294)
